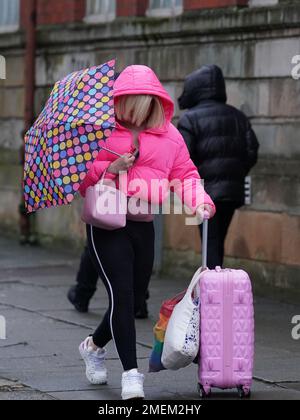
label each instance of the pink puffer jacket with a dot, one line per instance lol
(163, 158)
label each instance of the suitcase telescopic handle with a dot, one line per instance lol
(204, 241)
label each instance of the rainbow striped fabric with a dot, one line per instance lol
(159, 330)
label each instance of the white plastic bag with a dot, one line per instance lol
(181, 343)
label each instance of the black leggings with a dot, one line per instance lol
(124, 260)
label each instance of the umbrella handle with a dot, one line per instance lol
(136, 153)
(111, 151)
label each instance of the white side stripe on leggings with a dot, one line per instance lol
(110, 288)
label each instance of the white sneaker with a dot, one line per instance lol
(132, 385)
(96, 371)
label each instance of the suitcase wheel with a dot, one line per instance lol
(244, 392)
(204, 392)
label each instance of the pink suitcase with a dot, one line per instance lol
(226, 328)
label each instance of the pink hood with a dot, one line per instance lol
(140, 79)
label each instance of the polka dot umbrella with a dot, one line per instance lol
(64, 140)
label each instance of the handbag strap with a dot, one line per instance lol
(193, 283)
(101, 180)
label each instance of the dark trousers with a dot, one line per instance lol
(124, 260)
(217, 230)
(87, 276)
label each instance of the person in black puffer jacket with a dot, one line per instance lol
(222, 145)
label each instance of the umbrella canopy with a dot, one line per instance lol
(63, 142)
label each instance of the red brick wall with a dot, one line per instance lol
(23, 13)
(205, 4)
(67, 11)
(60, 11)
(55, 11)
(132, 7)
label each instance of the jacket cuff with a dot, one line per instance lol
(110, 175)
(88, 180)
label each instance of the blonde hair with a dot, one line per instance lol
(140, 109)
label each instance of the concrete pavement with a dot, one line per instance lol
(39, 358)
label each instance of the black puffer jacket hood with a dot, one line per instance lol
(205, 83)
(220, 138)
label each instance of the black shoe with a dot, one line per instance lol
(142, 312)
(80, 306)
(32, 240)
(23, 240)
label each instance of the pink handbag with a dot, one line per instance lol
(104, 206)
(120, 209)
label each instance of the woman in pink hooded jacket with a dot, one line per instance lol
(152, 150)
